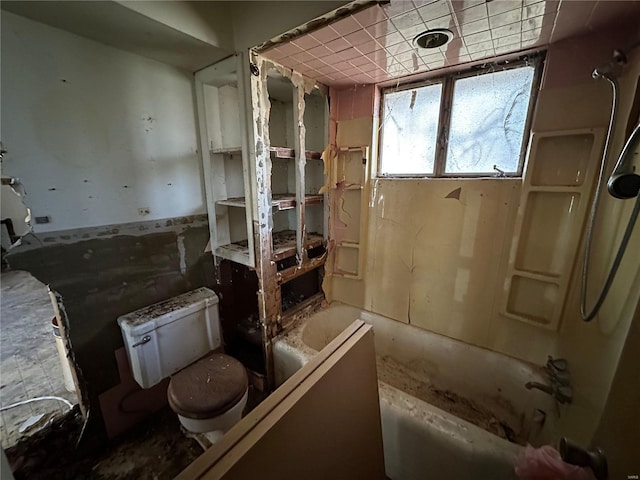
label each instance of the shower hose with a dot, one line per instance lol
(588, 315)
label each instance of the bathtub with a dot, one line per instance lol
(431, 389)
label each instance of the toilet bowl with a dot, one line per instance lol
(209, 395)
(181, 338)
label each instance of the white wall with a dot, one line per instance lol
(95, 133)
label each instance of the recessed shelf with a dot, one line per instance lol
(281, 201)
(226, 150)
(289, 153)
(284, 243)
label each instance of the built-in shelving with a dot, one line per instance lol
(552, 210)
(289, 153)
(283, 201)
(284, 243)
(226, 150)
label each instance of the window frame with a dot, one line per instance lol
(444, 119)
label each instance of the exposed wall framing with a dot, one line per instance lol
(270, 280)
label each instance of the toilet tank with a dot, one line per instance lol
(163, 338)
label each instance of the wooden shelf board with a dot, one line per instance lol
(289, 153)
(233, 202)
(281, 201)
(284, 243)
(226, 150)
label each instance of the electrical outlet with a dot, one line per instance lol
(144, 211)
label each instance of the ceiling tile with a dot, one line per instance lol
(358, 38)
(534, 10)
(510, 40)
(325, 34)
(474, 27)
(410, 33)
(306, 42)
(407, 20)
(301, 57)
(338, 45)
(370, 16)
(360, 61)
(434, 10)
(399, 48)
(407, 57)
(464, 4)
(289, 49)
(327, 69)
(442, 22)
(514, 47)
(275, 54)
(477, 38)
(391, 39)
(505, 18)
(381, 29)
(507, 30)
(346, 26)
(369, 47)
(497, 7)
(348, 54)
(397, 7)
(320, 52)
(480, 47)
(483, 54)
(472, 14)
(315, 63)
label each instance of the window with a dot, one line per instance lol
(473, 123)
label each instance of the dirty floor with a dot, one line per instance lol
(154, 450)
(29, 362)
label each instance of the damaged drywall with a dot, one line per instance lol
(99, 274)
(16, 216)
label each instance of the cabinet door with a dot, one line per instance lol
(324, 422)
(221, 92)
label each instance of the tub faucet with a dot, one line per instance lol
(557, 370)
(562, 393)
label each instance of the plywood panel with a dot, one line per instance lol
(324, 422)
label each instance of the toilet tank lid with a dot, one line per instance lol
(153, 316)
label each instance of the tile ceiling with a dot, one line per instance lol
(375, 44)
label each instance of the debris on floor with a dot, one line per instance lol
(29, 359)
(155, 449)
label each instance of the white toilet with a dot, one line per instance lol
(181, 338)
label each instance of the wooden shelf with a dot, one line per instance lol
(284, 243)
(289, 153)
(226, 150)
(281, 201)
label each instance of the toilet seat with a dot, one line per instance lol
(208, 388)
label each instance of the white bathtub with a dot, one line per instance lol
(418, 370)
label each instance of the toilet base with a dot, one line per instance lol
(221, 423)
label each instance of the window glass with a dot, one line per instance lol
(410, 124)
(488, 118)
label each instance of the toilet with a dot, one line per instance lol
(181, 338)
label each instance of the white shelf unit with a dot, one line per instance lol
(222, 120)
(556, 191)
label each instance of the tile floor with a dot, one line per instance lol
(29, 363)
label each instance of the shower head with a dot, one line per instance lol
(624, 181)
